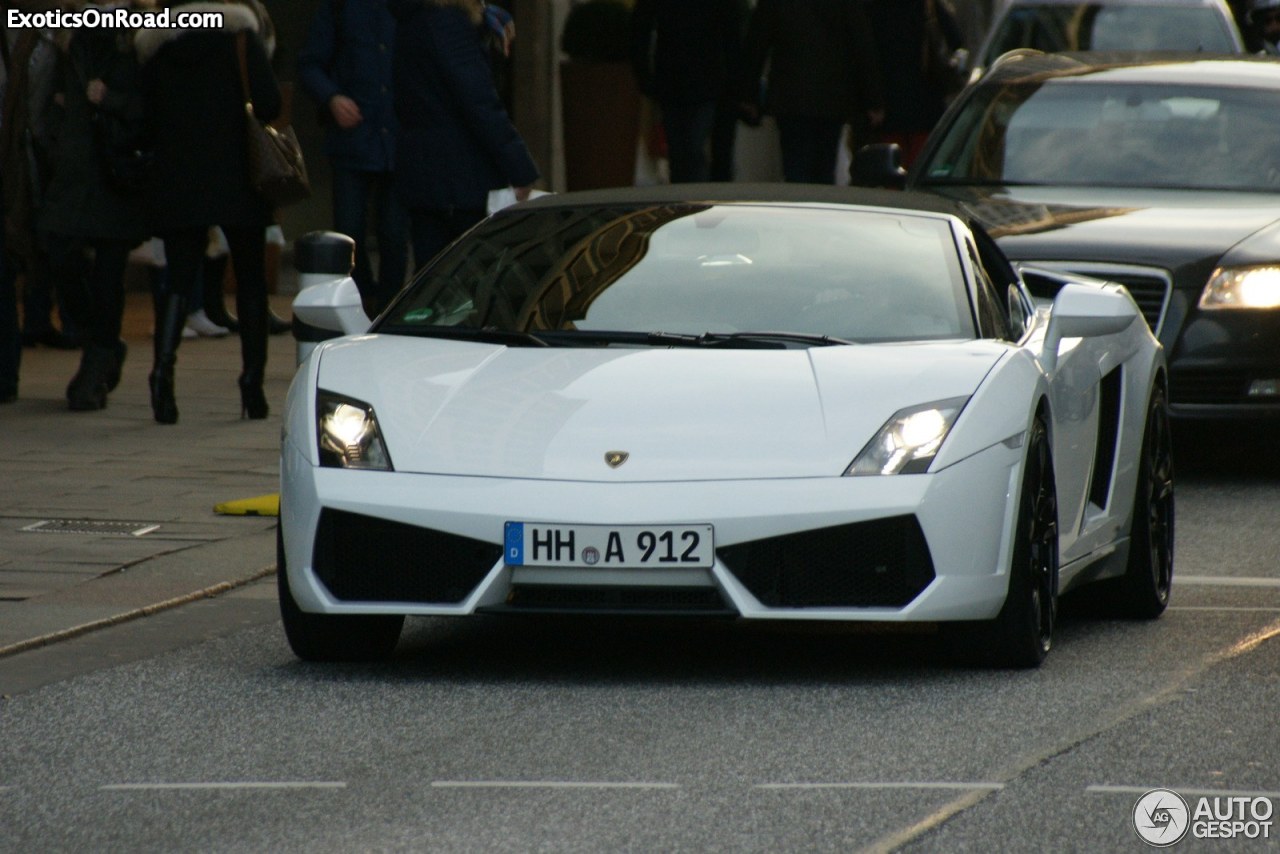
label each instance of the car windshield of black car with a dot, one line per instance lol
(1074, 131)
(1100, 27)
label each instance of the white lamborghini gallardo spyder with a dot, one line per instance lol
(770, 402)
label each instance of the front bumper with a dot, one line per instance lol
(362, 542)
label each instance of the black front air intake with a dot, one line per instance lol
(879, 564)
(363, 559)
(693, 601)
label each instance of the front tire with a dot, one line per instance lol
(1022, 634)
(333, 637)
(1143, 591)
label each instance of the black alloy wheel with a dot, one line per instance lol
(1145, 587)
(1023, 631)
(333, 637)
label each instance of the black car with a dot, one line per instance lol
(1159, 173)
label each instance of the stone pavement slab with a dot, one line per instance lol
(83, 474)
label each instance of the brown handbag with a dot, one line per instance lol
(277, 169)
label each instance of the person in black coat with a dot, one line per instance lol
(200, 178)
(914, 97)
(89, 218)
(456, 141)
(822, 74)
(686, 56)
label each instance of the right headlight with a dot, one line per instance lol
(908, 441)
(348, 435)
(1242, 287)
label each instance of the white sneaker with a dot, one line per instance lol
(202, 325)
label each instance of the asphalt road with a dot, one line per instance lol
(196, 729)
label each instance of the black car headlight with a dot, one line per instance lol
(1242, 287)
(348, 435)
(908, 441)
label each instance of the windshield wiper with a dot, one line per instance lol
(488, 335)
(744, 340)
(717, 338)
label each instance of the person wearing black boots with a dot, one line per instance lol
(200, 178)
(90, 218)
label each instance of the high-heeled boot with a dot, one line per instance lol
(215, 307)
(171, 316)
(253, 353)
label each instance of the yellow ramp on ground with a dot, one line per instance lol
(263, 505)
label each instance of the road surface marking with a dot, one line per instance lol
(544, 784)
(990, 787)
(1226, 581)
(1224, 608)
(287, 784)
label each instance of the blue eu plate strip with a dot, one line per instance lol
(515, 543)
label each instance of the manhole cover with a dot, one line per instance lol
(89, 526)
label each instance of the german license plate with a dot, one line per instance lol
(609, 546)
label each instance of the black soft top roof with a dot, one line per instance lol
(747, 193)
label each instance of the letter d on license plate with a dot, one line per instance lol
(611, 546)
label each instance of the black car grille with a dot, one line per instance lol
(1149, 287)
(364, 559)
(1151, 293)
(879, 564)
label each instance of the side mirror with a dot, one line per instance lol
(1084, 311)
(333, 305)
(878, 165)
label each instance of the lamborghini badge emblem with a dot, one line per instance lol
(615, 458)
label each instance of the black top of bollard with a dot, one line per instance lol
(324, 252)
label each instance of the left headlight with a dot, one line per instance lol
(348, 435)
(909, 441)
(1242, 287)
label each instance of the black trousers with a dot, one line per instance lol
(184, 251)
(90, 274)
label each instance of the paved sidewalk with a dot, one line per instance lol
(76, 470)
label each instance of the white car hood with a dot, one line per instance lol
(446, 407)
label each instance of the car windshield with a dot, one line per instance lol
(725, 275)
(1072, 131)
(1099, 26)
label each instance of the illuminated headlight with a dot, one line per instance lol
(348, 435)
(909, 441)
(1242, 287)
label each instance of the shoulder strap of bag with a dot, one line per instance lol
(244, 72)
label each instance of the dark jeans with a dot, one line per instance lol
(91, 276)
(688, 128)
(434, 230)
(809, 148)
(353, 193)
(10, 337)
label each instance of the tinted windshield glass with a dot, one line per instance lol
(1076, 132)
(694, 269)
(1094, 26)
